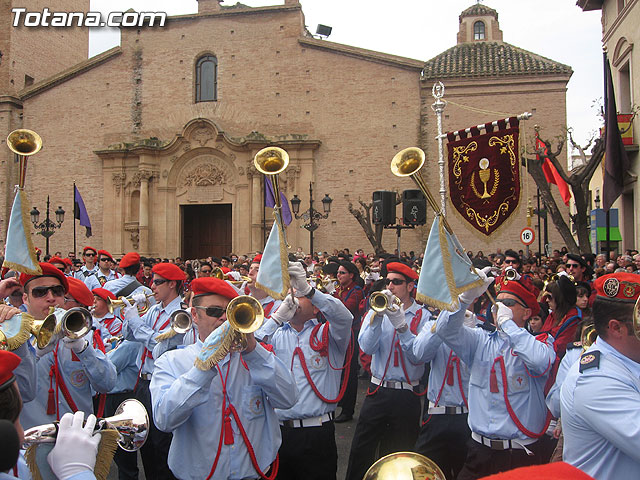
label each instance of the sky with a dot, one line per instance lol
(421, 29)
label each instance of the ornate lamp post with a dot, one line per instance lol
(311, 216)
(47, 227)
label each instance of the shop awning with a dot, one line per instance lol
(614, 234)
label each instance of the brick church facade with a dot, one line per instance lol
(159, 133)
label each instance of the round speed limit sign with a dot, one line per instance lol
(527, 235)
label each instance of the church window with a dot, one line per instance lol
(478, 30)
(207, 79)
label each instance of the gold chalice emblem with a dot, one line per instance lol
(484, 175)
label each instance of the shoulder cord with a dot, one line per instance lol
(226, 433)
(54, 372)
(512, 413)
(322, 347)
(145, 352)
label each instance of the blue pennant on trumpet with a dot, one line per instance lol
(273, 276)
(444, 264)
(20, 254)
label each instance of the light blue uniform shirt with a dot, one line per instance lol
(188, 403)
(124, 357)
(93, 371)
(429, 347)
(553, 397)
(527, 360)
(148, 328)
(601, 416)
(376, 340)
(26, 372)
(85, 273)
(327, 379)
(93, 281)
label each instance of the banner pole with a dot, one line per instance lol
(438, 106)
(75, 249)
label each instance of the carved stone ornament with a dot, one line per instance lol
(204, 175)
(202, 135)
(118, 181)
(142, 175)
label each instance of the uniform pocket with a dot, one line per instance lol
(252, 402)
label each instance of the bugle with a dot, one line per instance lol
(119, 303)
(130, 420)
(401, 465)
(271, 161)
(73, 323)
(379, 302)
(218, 273)
(180, 321)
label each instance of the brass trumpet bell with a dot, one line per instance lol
(404, 466)
(119, 303)
(245, 314)
(73, 323)
(130, 420)
(218, 273)
(588, 336)
(407, 162)
(24, 142)
(180, 321)
(379, 302)
(510, 274)
(43, 330)
(271, 160)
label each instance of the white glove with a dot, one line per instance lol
(235, 275)
(516, 275)
(371, 277)
(502, 314)
(490, 270)
(298, 278)
(470, 319)
(469, 296)
(130, 311)
(76, 345)
(286, 310)
(330, 288)
(396, 317)
(139, 299)
(76, 446)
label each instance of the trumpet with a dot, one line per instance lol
(272, 161)
(588, 336)
(113, 304)
(511, 274)
(16, 331)
(379, 302)
(130, 420)
(218, 273)
(73, 323)
(24, 142)
(180, 321)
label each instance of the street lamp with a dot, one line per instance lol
(311, 216)
(597, 199)
(47, 227)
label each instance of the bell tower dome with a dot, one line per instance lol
(479, 23)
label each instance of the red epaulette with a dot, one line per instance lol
(542, 337)
(267, 347)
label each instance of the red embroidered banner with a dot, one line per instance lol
(484, 174)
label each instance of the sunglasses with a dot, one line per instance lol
(395, 281)
(511, 262)
(510, 302)
(214, 312)
(89, 254)
(40, 292)
(573, 265)
(158, 281)
(205, 271)
(105, 259)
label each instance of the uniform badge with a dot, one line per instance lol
(589, 360)
(611, 287)
(574, 345)
(317, 362)
(256, 404)
(78, 378)
(518, 382)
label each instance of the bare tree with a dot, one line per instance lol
(578, 180)
(373, 232)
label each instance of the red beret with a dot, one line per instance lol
(79, 291)
(67, 261)
(53, 260)
(106, 254)
(84, 250)
(129, 259)
(225, 269)
(103, 293)
(524, 289)
(210, 285)
(618, 287)
(397, 267)
(48, 270)
(257, 258)
(550, 471)
(169, 271)
(8, 363)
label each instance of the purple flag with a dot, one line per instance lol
(270, 201)
(80, 211)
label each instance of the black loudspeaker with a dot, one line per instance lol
(384, 207)
(414, 208)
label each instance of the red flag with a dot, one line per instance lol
(551, 174)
